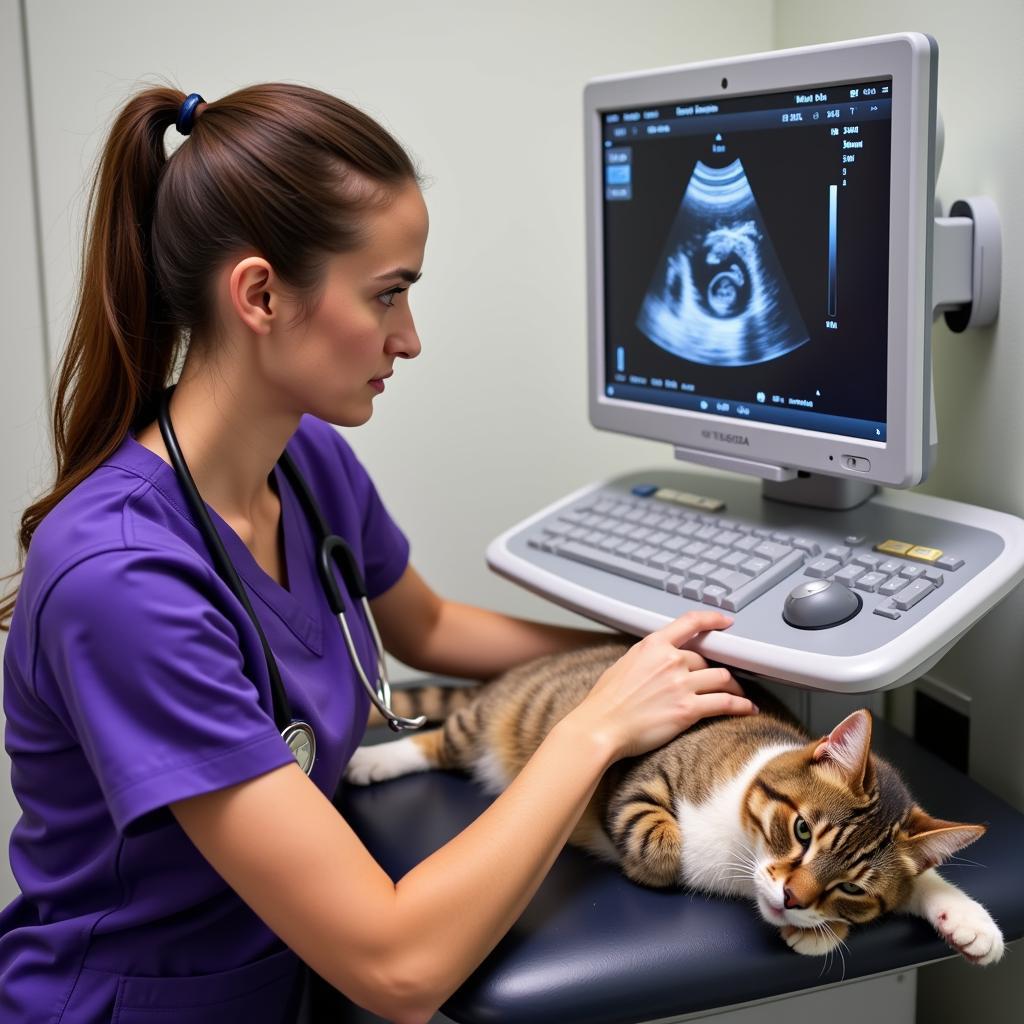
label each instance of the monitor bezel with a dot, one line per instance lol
(910, 60)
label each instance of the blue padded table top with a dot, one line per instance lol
(593, 948)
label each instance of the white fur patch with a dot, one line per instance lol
(488, 771)
(964, 923)
(386, 761)
(715, 846)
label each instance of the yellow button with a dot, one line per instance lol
(920, 554)
(894, 547)
(690, 500)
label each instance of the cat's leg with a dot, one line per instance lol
(815, 941)
(649, 843)
(964, 923)
(418, 753)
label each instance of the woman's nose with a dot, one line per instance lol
(404, 341)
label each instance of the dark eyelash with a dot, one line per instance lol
(388, 297)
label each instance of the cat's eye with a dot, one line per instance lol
(802, 831)
(850, 889)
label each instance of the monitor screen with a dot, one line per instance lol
(746, 256)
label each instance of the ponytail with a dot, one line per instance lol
(278, 168)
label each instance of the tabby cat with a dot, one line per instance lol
(820, 833)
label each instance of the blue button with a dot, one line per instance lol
(644, 490)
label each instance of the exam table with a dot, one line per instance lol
(593, 948)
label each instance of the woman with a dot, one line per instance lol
(173, 857)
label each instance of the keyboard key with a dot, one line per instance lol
(923, 554)
(682, 565)
(702, 570)
(783, 538)
(726, 537)
(912, 593)
(755, 566)
(893, 586)
(674, 584)
(869, 561)
(887, 610)
(715, 553)
(642, 553)
(821, 567)
(660, 559)
(935, 576)
(912, 572)
(806, 544)
(747, 543)
(694, 589)
(950, 562)
(657, 537)
(870, 581)
(728, 579)
(893, 547)
(772, 551)
(849, 574)
(854, 540)
(707, 532)
(756, 587)
(557, 528)
(714, 594)
(890, 567)
(840, 553)
(734, 559)
(695, 548)
(613, 563)
(628, 547)
(640, 532)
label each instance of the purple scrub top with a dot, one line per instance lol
(124, 690)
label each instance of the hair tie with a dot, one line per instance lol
(187, 113)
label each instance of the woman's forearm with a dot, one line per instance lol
(452, 909)
(475, 643)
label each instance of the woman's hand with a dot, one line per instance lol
(657, 689)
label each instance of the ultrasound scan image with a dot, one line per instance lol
(719, 296)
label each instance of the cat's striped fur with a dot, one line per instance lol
(820, 833)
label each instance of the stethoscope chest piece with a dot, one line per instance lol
(302, 743)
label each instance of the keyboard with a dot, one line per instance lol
(652, 537)
(638, 551)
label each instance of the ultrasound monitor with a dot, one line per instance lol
(758, 242)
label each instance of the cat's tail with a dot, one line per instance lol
(433, 701)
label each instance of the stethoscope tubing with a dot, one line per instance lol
(333, 552)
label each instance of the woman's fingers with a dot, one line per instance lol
(714, 680)
(708, 705)
(692, 660)
(688, 625)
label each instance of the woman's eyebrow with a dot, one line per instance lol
(402, 272)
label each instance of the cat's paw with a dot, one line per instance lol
(812, 941)
(968, 928)
(385, 761)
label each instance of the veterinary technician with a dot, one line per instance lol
(175, 860)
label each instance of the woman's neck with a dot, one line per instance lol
(231, 433)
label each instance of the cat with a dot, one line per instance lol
(820, 833)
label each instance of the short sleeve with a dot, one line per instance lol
(147, 672)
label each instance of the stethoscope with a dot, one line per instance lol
(333, 551)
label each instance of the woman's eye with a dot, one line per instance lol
(850, 889)
(802, 831)
(388, 297)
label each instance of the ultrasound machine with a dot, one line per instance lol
(765, 260)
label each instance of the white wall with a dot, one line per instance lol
(490, 422)
(24, 410)
(978, 379)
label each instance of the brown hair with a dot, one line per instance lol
(284, 170)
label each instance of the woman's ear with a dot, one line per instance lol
(252, 290)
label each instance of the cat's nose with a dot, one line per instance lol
(791, 902)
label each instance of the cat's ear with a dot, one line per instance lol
(930, 841)
(847, 749)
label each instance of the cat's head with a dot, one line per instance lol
(836, 835)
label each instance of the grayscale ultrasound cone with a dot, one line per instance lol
(719, 295)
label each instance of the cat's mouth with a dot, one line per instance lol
(772, 914)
